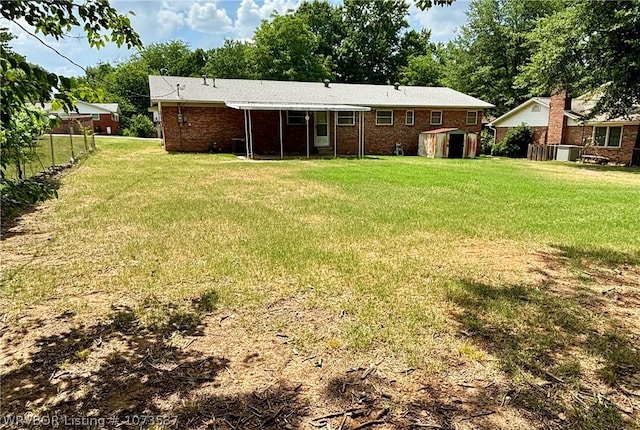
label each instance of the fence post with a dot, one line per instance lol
(71, 138)
(84, 135)
(53, 160)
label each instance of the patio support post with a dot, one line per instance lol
(246, 134)
(281, 144)
(363, 123)
(250, 135)
(306, 117)
(335, 134)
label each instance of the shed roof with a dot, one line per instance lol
(241, 91)
(441, 130)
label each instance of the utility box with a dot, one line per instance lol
(568, 152)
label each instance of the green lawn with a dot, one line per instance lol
(428, 262)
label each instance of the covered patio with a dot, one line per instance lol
(316, 118)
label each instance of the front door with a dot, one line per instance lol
(321, 129)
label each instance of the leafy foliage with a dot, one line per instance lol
(140, 126)
(515, 143)
(19, 194)
(234, 59)
(284, 50)
(485, 58)
(24, 84)
(589, 46)
(370, 48)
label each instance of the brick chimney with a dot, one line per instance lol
(560, 101)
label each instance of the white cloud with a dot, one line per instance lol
(250, 14)
(206, 17)
(443, 21)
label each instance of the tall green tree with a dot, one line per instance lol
(589, 46)
(173, 58)
(370, 48)
(284, 50)
(485, 58)
(234, 59)
(324, 20)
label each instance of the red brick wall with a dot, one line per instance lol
(557, 120)
(104, 122)
(581, 135)
(63, 127)
(621, 155)
(204, 125)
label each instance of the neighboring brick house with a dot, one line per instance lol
(559, 120)
(105, 117)
(285, 117)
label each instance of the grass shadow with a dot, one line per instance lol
(544, 339)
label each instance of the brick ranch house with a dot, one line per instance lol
(558, 120)
(102, 118)
(286, 117)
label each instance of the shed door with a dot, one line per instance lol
(471, 148)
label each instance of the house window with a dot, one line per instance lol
(410, 118)
(472, 117)
(607, 136)
(436, 117)
(346, 118)
(535, 108)
(296, 117)
(384, 117)
(95, 116)
(115, 117)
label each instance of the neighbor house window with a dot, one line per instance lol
(535, 108)
(115, 117)
(436, 117)
(346, 118)
(95, 116)
(384, 117)
(607, 136)
(296, 117)
(472, 117)
(410, 119)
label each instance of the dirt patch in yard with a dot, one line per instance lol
(536, 337)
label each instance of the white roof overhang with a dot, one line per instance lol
(297, 107)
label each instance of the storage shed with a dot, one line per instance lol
(448, 143)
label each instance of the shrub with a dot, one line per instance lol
(140, 126)
(20, 194)
(515, 143)
(486, 142)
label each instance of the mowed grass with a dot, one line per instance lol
(400, 254)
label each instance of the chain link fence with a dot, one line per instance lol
(52, 150)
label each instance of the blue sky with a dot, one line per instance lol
(200, 23)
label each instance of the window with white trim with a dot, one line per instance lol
(347, 118)
(472, 117)
(535, 108)
(296, 117)
(115, 117)
(410, 119)
(607, 136)
(95, 116)
(436, 117)
(384, 117)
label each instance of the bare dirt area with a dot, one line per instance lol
(539, 346)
